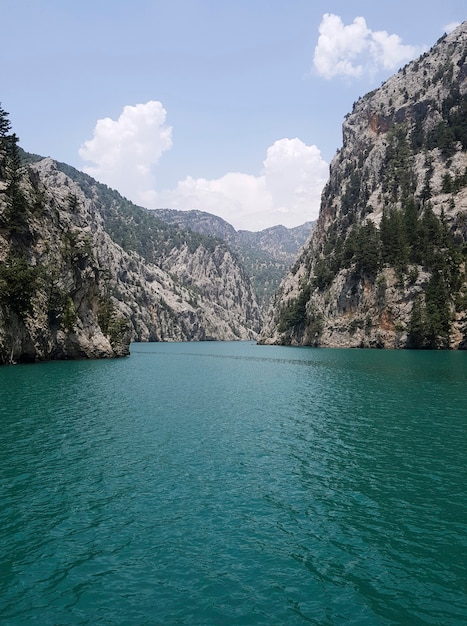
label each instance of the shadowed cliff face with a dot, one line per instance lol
(386, 264)
(69, 289)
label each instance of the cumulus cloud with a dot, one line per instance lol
(354, 50)
(287, 191)
(123, 153)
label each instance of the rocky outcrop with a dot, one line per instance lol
(266, 255)
(170, 283)
(53, 286)
(83, 272)
(386, 264)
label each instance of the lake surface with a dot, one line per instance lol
(235, 484)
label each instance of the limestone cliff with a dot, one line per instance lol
(83, 272)
(170, 283)
(54, 301)
(266, 255)
(386, 264)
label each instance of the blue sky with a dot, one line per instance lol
(230, 107)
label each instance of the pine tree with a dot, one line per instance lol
(438, 318)
(5, 128)
(5, 125)
(395, 251)
(417, 331)
(11, 171)
(367, 250)
(410, 218)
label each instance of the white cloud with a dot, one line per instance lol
(124, 152)
(287, 191)
(238, 198)
(354, 50)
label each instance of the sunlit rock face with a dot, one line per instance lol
(386, 264)
(72, 287)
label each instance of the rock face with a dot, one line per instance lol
(54, 298)
(266, 255)
(83, 272)
(171, 284)
(386, 264)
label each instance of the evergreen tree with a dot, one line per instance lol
(5, 128)
(395, 251)
(430, 237)
(417, 324)
(367, 250)
(5, 125)
(410, 218)
(438, 317)
(11, 171)
(16, 201)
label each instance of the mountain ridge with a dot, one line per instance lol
(83, 271)
(386, 263)
(267, 255)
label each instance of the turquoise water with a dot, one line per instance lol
(229, 483)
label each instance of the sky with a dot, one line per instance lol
(231, 107)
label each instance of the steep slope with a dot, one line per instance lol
(269, 254)
(83, 271)
(266, 255)
(170, 284)
(54, 298)
(386, 265)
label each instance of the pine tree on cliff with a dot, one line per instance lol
(5, 125)
(5, 128)
(11, 170)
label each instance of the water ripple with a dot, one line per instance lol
(226, 484)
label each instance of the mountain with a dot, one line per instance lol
(205, 294)
(386, 263)
(54, 296)
(83, 271)
(266, 255)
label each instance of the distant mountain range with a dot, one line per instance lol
(266, 255)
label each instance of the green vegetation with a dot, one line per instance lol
(398, 180)
(450, 130)
(408, 239)
(296, 319)
(55, 282)
(294, 314)
(112, 325)
(18, 283)
(58, 301)
(431, 319)
(70, 316)
(14, 216)
(135, 228)
(18, 278)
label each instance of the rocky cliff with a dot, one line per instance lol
(54, 297)
(171, 283)
(266, 255)
(83, 271)
(386, 264)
